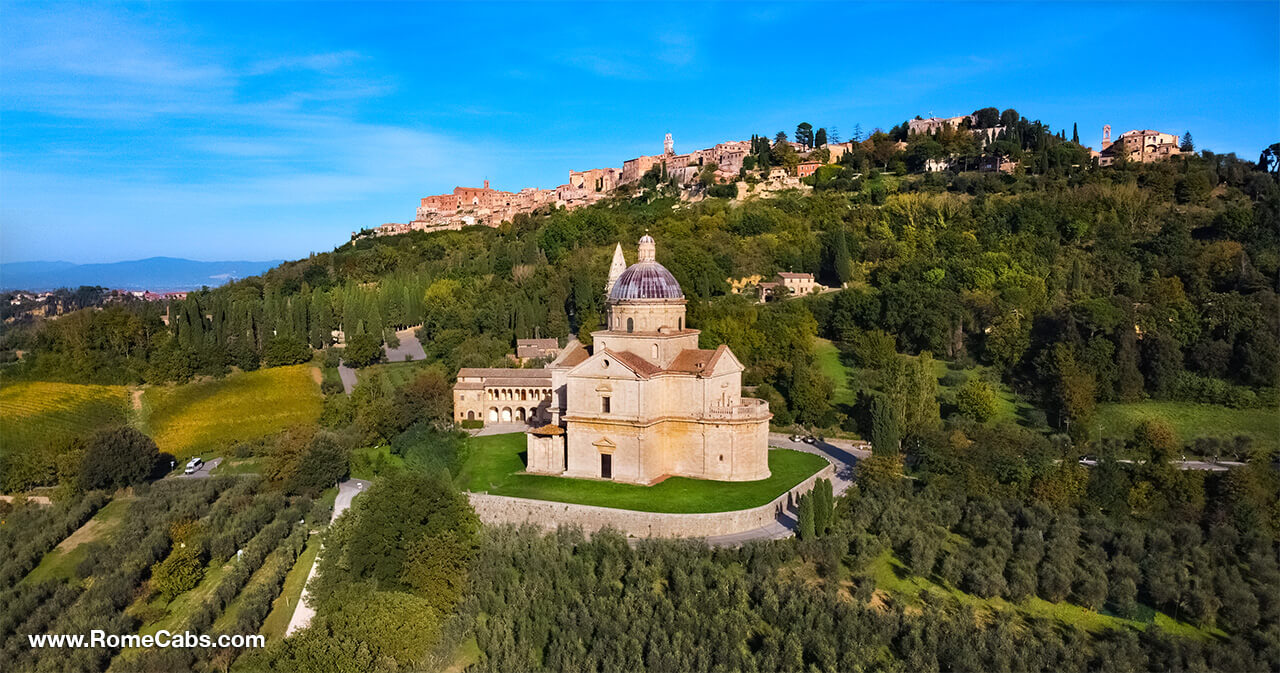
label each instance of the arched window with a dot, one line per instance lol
(655, 351)
(631, 325)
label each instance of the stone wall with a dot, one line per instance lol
(497, 509)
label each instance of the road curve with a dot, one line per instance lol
(844, 454)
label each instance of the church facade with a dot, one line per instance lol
(645, 402)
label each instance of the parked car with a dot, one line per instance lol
(193, 466)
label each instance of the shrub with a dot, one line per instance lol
(284, 350)
(977, 400)
(178, 573)
(471, 425)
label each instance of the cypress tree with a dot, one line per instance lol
(1075, 134)
(804, 520)
(843, 263)
(885, 433)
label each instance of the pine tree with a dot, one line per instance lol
(1187, 144)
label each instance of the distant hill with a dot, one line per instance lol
(159, 274)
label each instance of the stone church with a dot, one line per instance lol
(644, 402)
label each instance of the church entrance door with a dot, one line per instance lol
(606, 466)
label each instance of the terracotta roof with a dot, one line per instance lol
(574, 354)
(548, 430)
(692, 360)
(502, 372)
(530, 348)
(637, 364)
(498, 381)
(788, 274)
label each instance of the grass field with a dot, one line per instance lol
(848, 380)
(495, 466)
(369, 462)
(277, 622)
(893, 577)
(183, 605)
(829, 362)
(61, 561)
(198, 417)
(39, 411)
(396, 373)
(237, 466)
(1191, 420)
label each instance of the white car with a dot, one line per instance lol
(193, 466)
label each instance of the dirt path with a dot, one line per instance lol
(316, 375)
(136, 397)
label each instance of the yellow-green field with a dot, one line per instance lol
(36, 412)
(1191, 420)
(209, 415)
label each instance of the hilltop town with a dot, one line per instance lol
(735, 166)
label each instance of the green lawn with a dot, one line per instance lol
(896, 579)
(1191, 420)
(1010, 407)
(397, 373)
(191, 419)
(61, 561)
(36, 412)
(369, 462)
(833, 368)
(231, 466)
(495, 466)
(277, 622)
(181, 607)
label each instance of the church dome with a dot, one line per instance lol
(646, 280)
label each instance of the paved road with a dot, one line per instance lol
(499, 429)
(303, 613)
(409, 346)
(348, 376)
(844, 454)
(203, 472)
(1208, 466)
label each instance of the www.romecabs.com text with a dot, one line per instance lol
(161, 638)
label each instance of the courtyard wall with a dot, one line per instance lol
(499, 509)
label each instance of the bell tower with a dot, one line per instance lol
(616, 268)
(1106, 136)
(668, 146)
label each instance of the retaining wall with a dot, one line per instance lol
(499, 509)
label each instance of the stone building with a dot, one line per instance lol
(1138, 146)
(496, 395)
(533, 349)
(644, 402)
(796, 284)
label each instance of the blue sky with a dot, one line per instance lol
(261, 131)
